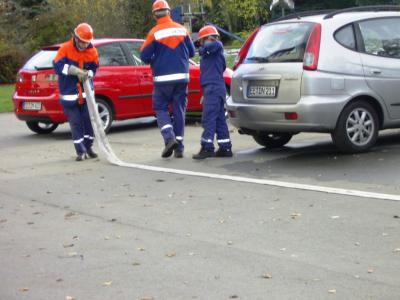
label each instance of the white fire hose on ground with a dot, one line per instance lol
(112, 158)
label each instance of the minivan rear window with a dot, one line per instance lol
(280, 43)
(41, 61)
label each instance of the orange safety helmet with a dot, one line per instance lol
(207, 31)
(84, 32)
(160, 5)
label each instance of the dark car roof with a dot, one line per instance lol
(97, 42)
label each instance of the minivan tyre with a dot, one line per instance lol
(356, 118)
(41, 127)
(272, 140)
(105, 112)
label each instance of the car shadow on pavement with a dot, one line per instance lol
(323, 162)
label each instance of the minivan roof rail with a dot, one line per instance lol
(298, 15)
(372, 8)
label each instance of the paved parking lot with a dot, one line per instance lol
(91, 230)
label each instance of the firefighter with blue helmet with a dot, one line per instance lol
(76, 61)
(167, 49)
(212, 68)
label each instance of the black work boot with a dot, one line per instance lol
(91, 153)
(169, 148)
(221, 152)
(81, 157)
(178, 153)
(203, 153)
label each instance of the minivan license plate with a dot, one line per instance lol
(261, 91)
(32, 106)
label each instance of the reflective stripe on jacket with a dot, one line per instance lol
(68, 55)
(167, 49)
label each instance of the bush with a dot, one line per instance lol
(10, 62)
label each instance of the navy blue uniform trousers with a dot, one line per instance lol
(174, 95)
(213, 118)
(81, 127)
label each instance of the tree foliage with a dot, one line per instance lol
(28, 25)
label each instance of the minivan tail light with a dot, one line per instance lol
(311, 55)
(245, 48)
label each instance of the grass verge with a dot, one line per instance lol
(6, 92)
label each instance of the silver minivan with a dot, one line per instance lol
(336, 72)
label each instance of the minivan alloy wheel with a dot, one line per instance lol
(360, 126)
(357, 127)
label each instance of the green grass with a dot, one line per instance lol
(6, 92)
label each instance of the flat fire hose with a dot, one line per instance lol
(112, 158)
(98, 129)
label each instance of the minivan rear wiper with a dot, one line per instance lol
(280, 51)
(258, 58)
(266, 59)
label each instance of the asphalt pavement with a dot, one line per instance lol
(94, 231)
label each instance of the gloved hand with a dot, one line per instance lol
(80, 73)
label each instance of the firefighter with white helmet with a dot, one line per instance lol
(167, 49)
(212, 67)
(76, 61)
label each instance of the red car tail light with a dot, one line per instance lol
(20, 78)
(51, 77)
(245, 48)
(311, 55)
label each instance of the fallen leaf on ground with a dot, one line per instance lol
(295, 215)
(25, 289)
(230, 243)
(3, 220)
(135, 264)
(59, 280)
(266, 276)
(107, 283)
(69, 298)
(106, 238)
(147, 298)
(332, 291)
(371, 270)
(68, 245)
(396, 250)
(69, 215)
(141, 249)
(335, 217)
(30, 223)
(172, 254)
(113, 220)
(233, 297)
(72, 254)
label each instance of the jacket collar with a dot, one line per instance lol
(163, 20)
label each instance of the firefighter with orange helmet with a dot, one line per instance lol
(212, 67)
(167, 49)
(76, 61)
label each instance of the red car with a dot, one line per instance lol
(123, 86)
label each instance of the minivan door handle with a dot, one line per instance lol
(376, 71)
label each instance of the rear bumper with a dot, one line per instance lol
(51, 112)
(315, 114)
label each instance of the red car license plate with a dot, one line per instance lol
(32, 105)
